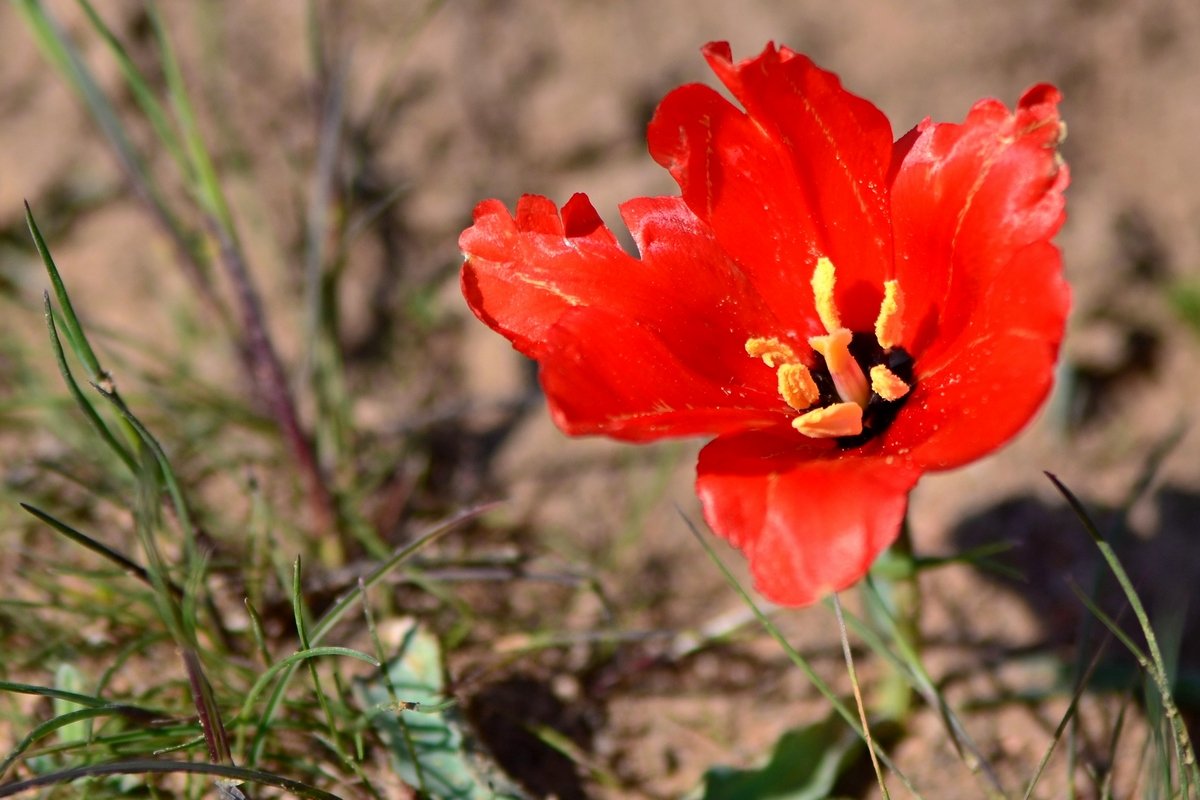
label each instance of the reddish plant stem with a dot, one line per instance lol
(270, 381)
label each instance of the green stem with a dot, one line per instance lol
(895, 607)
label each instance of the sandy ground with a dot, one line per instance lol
(492, 99)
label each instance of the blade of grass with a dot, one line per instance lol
(176, 614)
(1116, 528)
(164, 470)
(795, 657)
(81, 400)
(74, 330)
(78, 699)
(298, 612)
(57, 723)
(1068, 716)
(1157, 671)
(265, 679)
(910, 664)
(164, 767)
(1147, 666)
(390, 686)
(266, 369)
(143, 95)
(61, 53)
(206, 184)
(344, 604)
(59, 50)
(122, 561)
(858, 700)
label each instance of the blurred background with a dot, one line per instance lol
(392, 119)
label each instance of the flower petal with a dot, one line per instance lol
(800, 174)
(633, 348)
(522, 272)
(966, 200)
(993, 385)
(810, 519)
(606, 374)
(975, 208)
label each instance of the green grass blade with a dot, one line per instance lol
(125, 563)
(1068, 716)
(57, 723)
(139, 88)
(298, 611)
(1156, 667)
(848, 657)
(215, 735)
(81, 400)
(343, 605)
(908, 661)
(78, 699)
(796, 658)
(71, 326)
(347, 601)
(207, 187)
(63, 55)
(163, 464)
(265, 679)
(220, 773)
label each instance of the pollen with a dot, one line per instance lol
(848, 378)
(823, 281)
(887, 384)
(831, 422)
(889, 327)
(797, 387)
(772, 351)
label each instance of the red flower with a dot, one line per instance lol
(843, 312)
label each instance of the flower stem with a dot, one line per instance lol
(895, 607)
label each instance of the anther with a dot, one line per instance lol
(831, 422)
(889, 327)
(887, 384)
(823, 281)
(772, 351)
(797, 387)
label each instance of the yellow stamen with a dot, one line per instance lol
(797, 387)
(854, 389)
(823, 280)
(830, 422)
(772, 351)
(847, 375)
(887, 384)
(889, 328)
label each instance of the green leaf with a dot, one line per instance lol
(429, 745)
(804, 766)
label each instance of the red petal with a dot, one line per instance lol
(633, 348)
(606, 374)
(975, 208)
(513, 278)
(974, 404)
(967, 200)
(801, 174)
(810, 521)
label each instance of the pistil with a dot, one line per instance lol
(847, 375)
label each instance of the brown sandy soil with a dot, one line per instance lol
(495, 98)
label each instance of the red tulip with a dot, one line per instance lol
(842, 311)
